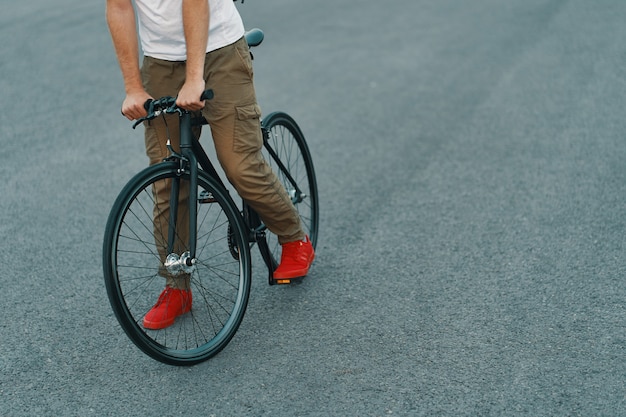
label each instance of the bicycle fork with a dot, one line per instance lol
(184, 263)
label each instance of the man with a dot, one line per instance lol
(190, 46)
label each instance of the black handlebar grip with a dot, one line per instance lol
(146, 105)
(207, 95)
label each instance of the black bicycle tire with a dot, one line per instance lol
(130, 326)
(279, 118)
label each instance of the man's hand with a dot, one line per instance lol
(189, 96)
(132, 107)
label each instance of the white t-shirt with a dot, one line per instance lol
(161, 27)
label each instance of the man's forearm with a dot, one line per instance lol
(120, 17)
(196, 17)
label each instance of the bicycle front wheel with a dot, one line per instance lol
(286, 151)
(135, 245)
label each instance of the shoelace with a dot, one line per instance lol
(163, 296)
(292, 250)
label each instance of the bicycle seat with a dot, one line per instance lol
(254, 37)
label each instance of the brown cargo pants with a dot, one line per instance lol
(234, 117)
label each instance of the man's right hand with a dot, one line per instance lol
(132, 107)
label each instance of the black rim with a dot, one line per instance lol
(220, 283)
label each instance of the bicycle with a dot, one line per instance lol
(206, 236)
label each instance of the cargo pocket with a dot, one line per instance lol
(248, 136)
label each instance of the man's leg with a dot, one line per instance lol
(162, 78)
(234, 116)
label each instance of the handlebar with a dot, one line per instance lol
(166, 105)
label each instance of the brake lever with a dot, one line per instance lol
(173, 109)
(149, 106)
(139, 121)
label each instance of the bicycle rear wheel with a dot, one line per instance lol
(133, 255)
(286, 150)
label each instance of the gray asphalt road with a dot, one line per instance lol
(470, 158)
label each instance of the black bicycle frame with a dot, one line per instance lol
(193, 154)
(283, 168)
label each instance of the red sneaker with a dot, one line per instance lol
(171, 303)
(296, 259)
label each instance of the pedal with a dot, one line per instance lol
(285, 281)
